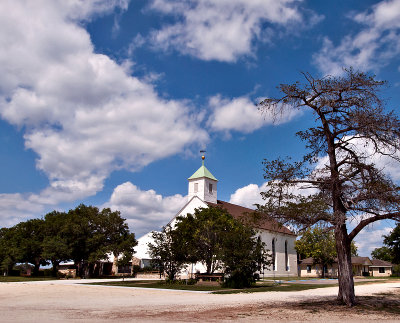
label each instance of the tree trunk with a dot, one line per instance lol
(36, 268)
(54, 270)
(101, 269)
(345, 272)
(208, 265)
(78, 264)
(114, 269)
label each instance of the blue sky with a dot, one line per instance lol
(109, 102)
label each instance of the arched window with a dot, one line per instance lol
(286, 257)
(273, 255)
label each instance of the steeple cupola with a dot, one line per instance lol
(203, 184)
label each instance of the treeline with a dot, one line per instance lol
(84, 235)
(214, 238)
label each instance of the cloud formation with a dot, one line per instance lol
(144, 210)
(374, 46)
(81, 112)
(225, 30)
(241, 114)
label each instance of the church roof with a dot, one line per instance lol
(238, 212)
(203, 172)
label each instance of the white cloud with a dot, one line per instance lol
(248, 195)
(370, 238)
(144, 210)
(81, 112)
(251, 194)
(225, 30)
(373, 47)
(15, 208)
(240, 114)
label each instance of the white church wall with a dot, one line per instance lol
(190, 207)
(280, 258)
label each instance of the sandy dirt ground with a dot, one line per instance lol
(60, 301)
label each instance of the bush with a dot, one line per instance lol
(238, 280)
(14, 272)
(191, 281)
(48, 272)
(61, 275)
(136, 269)
(395, 271)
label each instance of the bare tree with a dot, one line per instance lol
(351, 131)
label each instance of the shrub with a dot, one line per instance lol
(191, 281)
(238, 280)
(61, 275)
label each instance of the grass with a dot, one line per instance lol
(259, 287)
(274, 288)
(160, 284)
(262, 286)
(285, 278)
(10, 279)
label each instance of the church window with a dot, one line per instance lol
(286, 257)
(210, 188)
(273, 255)
(196, 187)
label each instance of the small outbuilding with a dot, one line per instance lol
(362, 266)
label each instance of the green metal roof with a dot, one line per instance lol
(203, 172)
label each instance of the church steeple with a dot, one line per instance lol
(203, 184)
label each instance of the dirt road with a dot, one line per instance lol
(64, 302)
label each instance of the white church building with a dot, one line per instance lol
(202, 193)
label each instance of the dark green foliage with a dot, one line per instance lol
(9, 253)
(204, 234)
(382, 253)
(85, 235)
(55, 243)
(243, 255)
(391, 249)
(28, 239)
(168, 252)
(213, 237)
(392, 240)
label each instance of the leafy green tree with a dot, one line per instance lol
(319, 243)
(243, 255)
(55, 242)
(119, 241)
(350, 126)
(392, 240)
(383, 253)
(167, 252)
(28, 238)
(92, 234)
(219, 241)
(391, 249)
(204, 233)
(9, 252)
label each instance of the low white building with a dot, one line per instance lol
(202, 193)
(362, 266)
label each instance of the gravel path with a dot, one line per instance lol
(66, 301)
